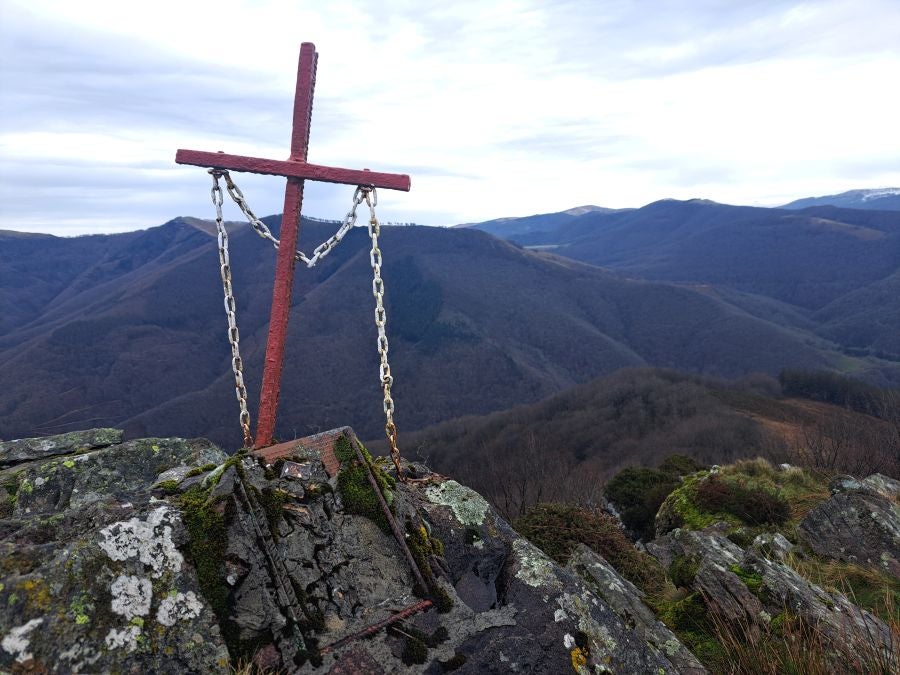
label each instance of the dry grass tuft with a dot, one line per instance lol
(792, 645)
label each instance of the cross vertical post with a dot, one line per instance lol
(297, 170)
(284, 266)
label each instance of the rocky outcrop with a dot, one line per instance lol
(860, 523)
(93, 575)
(164, 555)
(883, 485)
(749, 590)
(22, 450)
(628, 602)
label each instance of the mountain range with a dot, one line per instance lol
(883, 199)
(127, 330)
(822, 269)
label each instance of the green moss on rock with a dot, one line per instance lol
(752, 580)
(206, 524)
(196, 471)
(683, 570)
(168, 486)
(423, 547)
(688, 614)
(272, 502)
(356, 490)
(343, 450)
(359, 497)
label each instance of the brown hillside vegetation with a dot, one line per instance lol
(564, 448)
(128, 331)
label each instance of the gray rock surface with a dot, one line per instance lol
(555, 620)
(860, 526)
(93, 578)
(749, 588)
(844, 483)
(22, 450)
(513, 609)
(130, 558)
(883, 485)
(627, 601)
(772, 545)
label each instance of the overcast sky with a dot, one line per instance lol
(495, 108)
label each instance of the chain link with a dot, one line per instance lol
(237, 364)
(362, 194)
(390, 429)
(263, 231)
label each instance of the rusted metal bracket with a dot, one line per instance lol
(375, 627)
(284, 591)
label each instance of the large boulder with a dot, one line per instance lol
(860, 524)
(501, 605)
(92, 573)
(557, 621)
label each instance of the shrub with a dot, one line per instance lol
(753, 505)
(637, 494)
(557, 529)
(680, 465)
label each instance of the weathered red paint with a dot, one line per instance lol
(284, 264)
(275, 167)
(296, 169)
(281, 309)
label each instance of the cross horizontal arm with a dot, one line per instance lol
(293, 169)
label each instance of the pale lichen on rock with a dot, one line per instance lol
(16, 641)
(149, 540)
(127, 638)
(468, 506)
(602, 641)
(178, 607)
(535, 568)
(131, 596)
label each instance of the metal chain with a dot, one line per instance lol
(390, 429)
(263, 231)
(362, 193)
(237, 365)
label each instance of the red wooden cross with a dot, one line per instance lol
(296, 169)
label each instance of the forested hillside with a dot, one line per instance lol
(832, 270)
(128, 330)
(565, 447)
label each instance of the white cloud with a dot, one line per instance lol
(495, 108)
